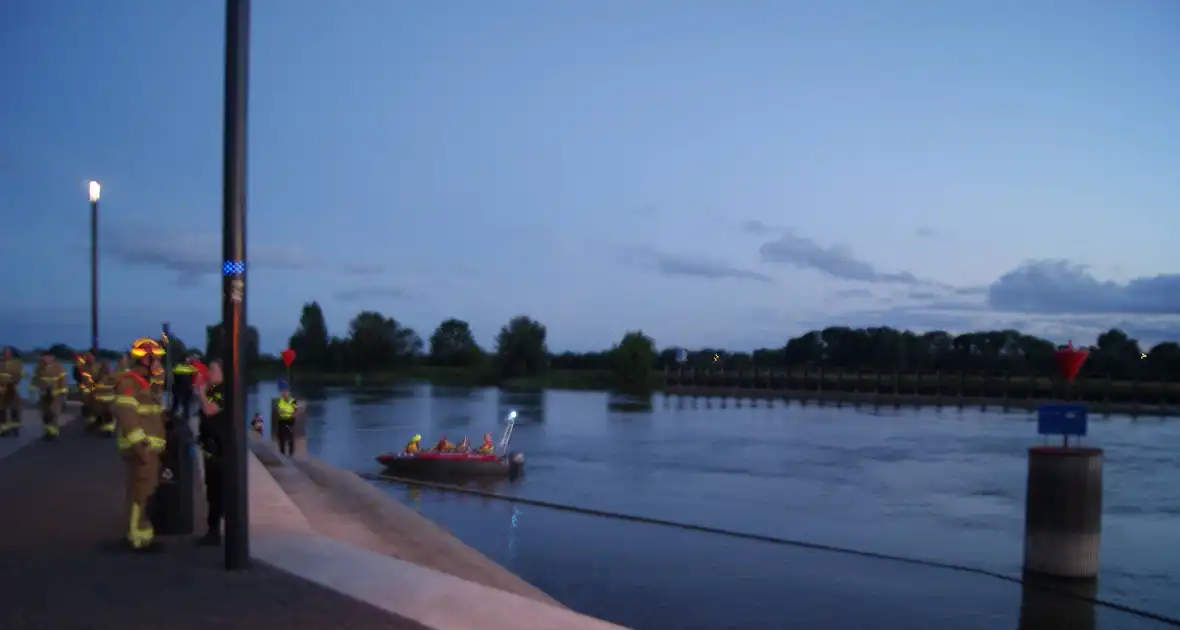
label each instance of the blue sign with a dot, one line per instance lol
(1061, 419)
(681, 355)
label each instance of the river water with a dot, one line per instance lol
(945, 485)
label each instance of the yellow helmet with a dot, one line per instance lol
(145, 346)
(416, 438)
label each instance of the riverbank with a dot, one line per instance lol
(329, 526)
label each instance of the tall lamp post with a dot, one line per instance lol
(233, 296)
(95, 191)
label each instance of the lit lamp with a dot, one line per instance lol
(95, 191)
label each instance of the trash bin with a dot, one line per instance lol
(172, 505)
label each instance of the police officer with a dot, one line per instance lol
(182, 387)
(140, 431)
(212, 436)
(285, 408)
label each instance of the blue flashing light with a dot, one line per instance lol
(233, 267)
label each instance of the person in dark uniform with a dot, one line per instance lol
(182, 387)
(211, 437)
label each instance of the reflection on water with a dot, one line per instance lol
(1056, 605)
(529, 405)
(944, 484)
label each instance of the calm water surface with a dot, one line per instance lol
(942, 485)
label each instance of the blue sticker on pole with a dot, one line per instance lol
(1061, 419)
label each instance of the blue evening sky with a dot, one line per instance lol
(714, 173)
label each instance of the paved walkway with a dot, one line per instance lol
(61, 518)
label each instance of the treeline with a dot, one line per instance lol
(375, 343)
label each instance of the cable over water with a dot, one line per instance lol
(1146, 614)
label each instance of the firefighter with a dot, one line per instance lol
(49, 387)
(84, 377)
(104, 395)
(12, 372)
(488, 447)
(140, 430)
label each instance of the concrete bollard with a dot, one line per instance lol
(300, 428)
(1063, 512)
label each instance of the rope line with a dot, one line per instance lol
(1146, 614)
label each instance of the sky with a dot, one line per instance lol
(713, 173)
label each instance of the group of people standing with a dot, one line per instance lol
(127, 403)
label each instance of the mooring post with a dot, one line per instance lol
(1063, 504)
(1050, 604)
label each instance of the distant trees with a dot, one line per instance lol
(214, 343)
(632, 361)
(453, 345)
(375, 342)
(311, 341)
(886, 349)
(521, 350)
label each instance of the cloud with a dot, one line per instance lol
(852, 293)
(837, 261)
(1060, 287)
(690, 265)
(363, 293)
(758, 228)
(925, 232)
(195, 255)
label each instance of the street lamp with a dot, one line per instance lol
(95, 191)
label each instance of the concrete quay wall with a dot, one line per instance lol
(333, 528)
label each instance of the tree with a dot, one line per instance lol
(453, 345)
(310, 340)
(633, 358)
(214, 343)
(377, 342)
(520, 348)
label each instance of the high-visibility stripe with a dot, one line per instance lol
(130, 401)
(104, 397)
(131, 439)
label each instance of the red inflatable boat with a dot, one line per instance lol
(450, 465)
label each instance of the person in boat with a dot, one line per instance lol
(444, 446)
(412, 446)
(464, 445)
(488, 447)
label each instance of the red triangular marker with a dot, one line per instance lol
(1069, 361)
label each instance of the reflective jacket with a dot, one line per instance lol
(137, 411)
(49, 379)
(286, 409)
(104, 385)
(12, 372)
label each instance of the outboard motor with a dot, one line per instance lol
(515, 465)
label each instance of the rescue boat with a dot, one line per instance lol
(435, 464)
